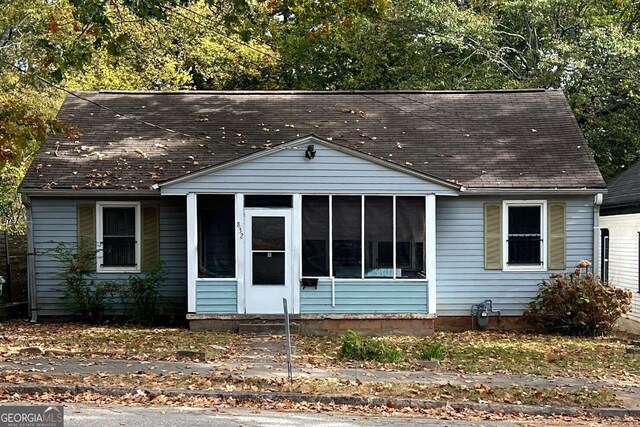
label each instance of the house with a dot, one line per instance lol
(377, 210)
(620, 240)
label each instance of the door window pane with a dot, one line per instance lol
(347, 236)
(410, 237)
(268, 268)
(119, 237)
(267, 201)
(378, 232)
(267, 233)
(216, 236)
(524, 240)
(315, 236)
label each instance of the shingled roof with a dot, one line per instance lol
(484, 139)
(623, 192)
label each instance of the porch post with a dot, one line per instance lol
(240, 252)
(431, 252)
(192, 251)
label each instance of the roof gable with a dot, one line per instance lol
(493, 139)
(286, 169)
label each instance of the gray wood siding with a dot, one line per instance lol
(54, 220)
(623, 255)
(287, 171)
(461, 277)
(366, 296)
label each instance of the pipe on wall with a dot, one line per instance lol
(31, 262)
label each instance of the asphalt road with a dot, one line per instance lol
(139, 416)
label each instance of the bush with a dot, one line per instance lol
(430, 351)
(143, 294)
(577, 304)
(82, 295)
(357, 347)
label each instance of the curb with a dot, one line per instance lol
(245, 396)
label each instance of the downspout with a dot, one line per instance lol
(597, 202)
(31, 262)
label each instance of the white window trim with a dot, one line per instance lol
(100, 237)
(542, 204)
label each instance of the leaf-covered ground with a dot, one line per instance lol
(110, 341)
(464, 352)
(477, 392)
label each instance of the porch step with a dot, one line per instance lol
(260, 328)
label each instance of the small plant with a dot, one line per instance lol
(357, 347)
(82, 295)
(430, 351)
(142, 293)
(577, 304)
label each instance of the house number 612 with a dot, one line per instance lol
(240, 233)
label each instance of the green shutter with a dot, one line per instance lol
(86, 240)
(150, 237)
(493, 236)
(557, 240)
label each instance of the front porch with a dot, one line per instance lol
(335, 233)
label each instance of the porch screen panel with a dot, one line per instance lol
(347, 236)
(378, 237)
(216, 236)
(315, 236)
(410, 237)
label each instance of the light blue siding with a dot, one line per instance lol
(216, 296)
(287, 171)
(366, 296)
(461, 277)
(54, 220)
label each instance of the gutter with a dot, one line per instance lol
(545, 191)
(597, 202)
(31, 262)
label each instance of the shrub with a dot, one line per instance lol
(577, 304)
(357, 347)
(430, 351)
(142, 293)
(82, 295)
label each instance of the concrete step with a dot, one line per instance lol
(263, 328)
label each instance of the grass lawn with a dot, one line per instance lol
(465, 352)
(500, 352)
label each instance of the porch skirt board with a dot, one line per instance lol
(322, 325)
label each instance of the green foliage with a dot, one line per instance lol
(91, 300)
(82, 295)
(430, 351)
(578, 304)
(357, 347)
(141, 292)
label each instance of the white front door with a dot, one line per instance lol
(268, 274)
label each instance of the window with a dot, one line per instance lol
(390, 243)
(315, 236)
(525, 241)
(604, 254)
(410, 237)
(118, 237)
(347, 236)
(216, 236)
(378, 236)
